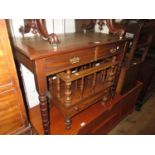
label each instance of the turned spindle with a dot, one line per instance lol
(89, 77)
(82, 86)
(94, 82)
(104, 77)
(113, 65)
(58, 87)
(68, 122)
(76, 81)
(68, 90)
(112, 76)
(105, 97)
(93, 79)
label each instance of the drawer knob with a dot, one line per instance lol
(74, 60)
(114, 50)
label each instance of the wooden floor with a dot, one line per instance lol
(138, 123)
(57, 124)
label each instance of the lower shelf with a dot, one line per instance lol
(97, 119)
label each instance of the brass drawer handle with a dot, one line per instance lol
(114, 50)
(74, 60)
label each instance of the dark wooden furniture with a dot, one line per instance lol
(38, 26)
(87, 24)
(148, 78)
(97, 119)
(138, 59)
(83, 25)
(73, 51)
(143, 35)
(13, 119)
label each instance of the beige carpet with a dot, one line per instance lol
(138, 123)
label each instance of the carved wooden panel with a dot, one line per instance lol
(4, 71)
(12, 111)
(10, 114)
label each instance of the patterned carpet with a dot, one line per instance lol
(138, 123)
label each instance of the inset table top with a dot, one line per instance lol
(36, 48)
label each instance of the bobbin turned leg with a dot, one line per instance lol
(41, 83)
(44, 113)
(111, 77)
(68, 90)
(68, 99)
(58, 87)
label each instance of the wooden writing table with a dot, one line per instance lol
(40, 58)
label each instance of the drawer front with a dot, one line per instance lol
(109, 50)
(85, 103)
(62, 62)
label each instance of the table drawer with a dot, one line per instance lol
(85, 103)
(60, 63)
(108, 50)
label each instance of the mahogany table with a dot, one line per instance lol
(43, 60)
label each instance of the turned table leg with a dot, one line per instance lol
(44, 113)
(41, 83)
